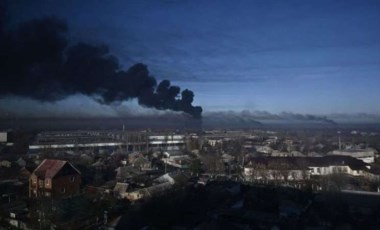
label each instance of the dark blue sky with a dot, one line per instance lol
(317, 57)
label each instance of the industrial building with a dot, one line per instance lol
(128, 141)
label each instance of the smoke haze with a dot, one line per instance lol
(37, 62)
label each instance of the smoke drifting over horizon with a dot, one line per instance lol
(247, 116)
(37, 62)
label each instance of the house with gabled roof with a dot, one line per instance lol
(54, 179)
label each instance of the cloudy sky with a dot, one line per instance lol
(317, 57)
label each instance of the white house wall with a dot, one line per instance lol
(301, 174)
(292, 175)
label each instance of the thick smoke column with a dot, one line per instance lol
(36, 62)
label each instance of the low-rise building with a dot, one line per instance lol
(182, 162)
(263, 149)
(302, 168)
(54, 179)
(124, 173)
(366, 155)
(3, 137)
(142, 163)
(158, 187)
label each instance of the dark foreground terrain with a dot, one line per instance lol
(229, 205)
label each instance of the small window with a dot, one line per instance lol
(72, 179)
(63, 190)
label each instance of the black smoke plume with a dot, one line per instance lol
(37, 62)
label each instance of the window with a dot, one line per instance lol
(47, 182)
(63, 190)
(72, 179)
(41, 183)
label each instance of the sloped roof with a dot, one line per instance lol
(126, 172)
(50, 167)
(121, 187)
(155, 189)
(141, 160)
(165, 178)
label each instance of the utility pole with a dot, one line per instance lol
(9, 197)
(339, 142)
(105, 218)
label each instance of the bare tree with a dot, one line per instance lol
(213, 163)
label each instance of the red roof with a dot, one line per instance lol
(49, 168)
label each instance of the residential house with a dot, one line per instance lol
(142, 163)
(5, 163)
(55, 179)
(176, 159)
(120, 189)
(263, 149)
(275, 168)
(124, 173)
(366, 155)
(159, 186)
(322, 166)
(181, 162)
(133, 156)
(302, 168)
(148, 192)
